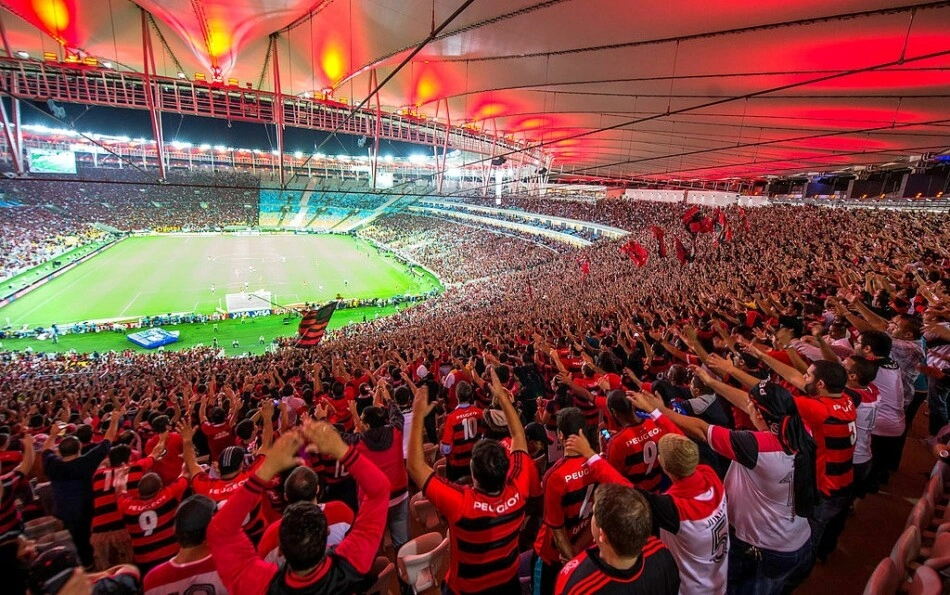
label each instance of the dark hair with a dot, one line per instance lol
(504, 373)
(833, 374)
(160, 424)
(677, 374)
(375, 417)
(864, 369)
(119, 455)
(192, 519)
(245, 429)
(84, 433)
(570, 421)
(303, 535)
(287, 391)
(879, 342)
(618, 405)
(336, 390)
(217, 416)
(150, 484)
(490, 465)
(623, 514)
(302, 485)
(464, 392)
(69, 446)
(403, 395)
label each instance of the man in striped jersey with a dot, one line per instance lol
(484, 520)
(110, 541)
(192, 570)
(11, 524)
(150, 519)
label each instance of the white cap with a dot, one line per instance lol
(422, 371)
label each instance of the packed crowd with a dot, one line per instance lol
(459, 251)
(593, 426)
(32, 236)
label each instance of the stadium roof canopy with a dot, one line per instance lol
(672, 90)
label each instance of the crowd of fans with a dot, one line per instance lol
(595, 426)
(458, 251)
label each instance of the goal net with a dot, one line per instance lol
(250, 301)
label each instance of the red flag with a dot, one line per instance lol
(658, 233)
(313, 325)
(585, 267)
(637, 253)
(680, 251)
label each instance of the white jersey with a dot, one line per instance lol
(865, 400)
(890, 407)
(761, 488)
(195, 577)
(694, 526)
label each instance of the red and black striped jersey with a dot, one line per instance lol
(463, 428)
(151, 523)
(11, 525)
(220, 490)
(331, 470)
(9, 460)
(832, 424)
(568, 504)
(633, 452)
(654, 573)
(588, 408)
(484, 529)
(106, 483)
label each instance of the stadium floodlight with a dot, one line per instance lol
(389, 158)
(204, 146)
(107, 64)
(122, 139)
(23, 54)
(417, 158)
(220, 148)
(182, 75)
(275, 152)
(298, 154)
(342, 157)
(180, 145)
(319, 156)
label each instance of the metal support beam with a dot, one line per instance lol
(278, 110)
(440, 163)
(150, 89)
(16, 154)
(374, 84)
(6, 42)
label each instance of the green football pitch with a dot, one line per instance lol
(143, 276)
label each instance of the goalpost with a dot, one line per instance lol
(251, 301)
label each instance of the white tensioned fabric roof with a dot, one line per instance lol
(671, 90)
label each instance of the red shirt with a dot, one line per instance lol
(484, 529)
(633, 452)
(463, 428)
(151, 523)
(832, 425)
(339, 520)
(568, 504)
(169, 466)
(220, 490)
(105, 483)
(219, 437)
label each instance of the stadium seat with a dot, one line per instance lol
(421, 560)
(921, 515)
(884, 580)
(431, 453)
(926, 581)
(42, 526)
(934, 492)
(383, 570)
(44, 493)
(906, 549)
(426, 514)
(525, 571)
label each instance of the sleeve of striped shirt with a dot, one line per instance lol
(360, 545)
(240, 568)
(741, 447)
(602, 472)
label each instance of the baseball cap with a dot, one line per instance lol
(422, 371)
(536, 431)
(231, 460)
(51, 570)
(495, 420)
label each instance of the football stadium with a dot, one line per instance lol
(530, 297)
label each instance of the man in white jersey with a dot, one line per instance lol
(768, 539)
(192, 570)
(889, 424)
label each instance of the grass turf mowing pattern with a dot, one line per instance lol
(248, 335)
(143, 276)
